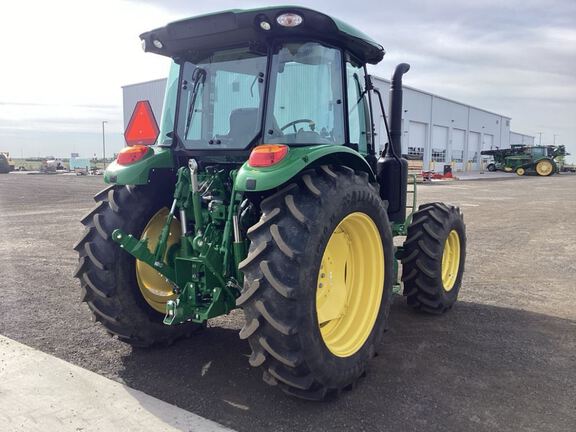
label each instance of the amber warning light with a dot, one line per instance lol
(142, 128)
(267, 155)
(132, 154)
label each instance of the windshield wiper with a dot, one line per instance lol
(198, 76)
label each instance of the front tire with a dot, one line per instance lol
(110, 283)
(305, 257)
(433, 258)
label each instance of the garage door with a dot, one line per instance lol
(474, 149)
(458, 140)
(488, 142)
(439, 143)
(416, 140)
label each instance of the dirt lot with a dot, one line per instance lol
(504, 359)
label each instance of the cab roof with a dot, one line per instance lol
(197, 35)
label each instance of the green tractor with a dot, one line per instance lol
(262, 190)
(523, 159)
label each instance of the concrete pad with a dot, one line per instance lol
(39, 392)
(485, 175)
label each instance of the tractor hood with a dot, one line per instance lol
(194, 36)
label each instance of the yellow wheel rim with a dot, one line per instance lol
(544, 167)
(154, 288)
(350, 284)
(520, 171)
(450, 260)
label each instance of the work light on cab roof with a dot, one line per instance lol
(289, 20)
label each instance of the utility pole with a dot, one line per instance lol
(104, 143)
(540, 142)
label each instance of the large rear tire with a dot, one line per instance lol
(318, 282)
(433, 258)
(545, 167)
(111, 286)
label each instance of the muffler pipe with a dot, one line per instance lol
(395, 109)
(391, 168)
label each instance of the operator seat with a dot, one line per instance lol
(243, 127)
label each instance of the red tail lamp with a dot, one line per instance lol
(132, 154)
(266, 155)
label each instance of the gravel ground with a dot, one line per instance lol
(504, 359)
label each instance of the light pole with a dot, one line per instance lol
(104, 143)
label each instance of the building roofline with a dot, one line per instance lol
(445, 98)
(144, 82)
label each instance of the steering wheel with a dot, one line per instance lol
(311, 123)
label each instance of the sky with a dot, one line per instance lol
(64, 61)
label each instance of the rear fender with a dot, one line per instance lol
(139, 173)
(251, 179)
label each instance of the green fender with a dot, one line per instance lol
(138, 173)
(250, 179)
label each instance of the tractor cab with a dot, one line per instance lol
(272, 81)
(288, 76)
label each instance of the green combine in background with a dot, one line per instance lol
(261, 189)
(522, 159)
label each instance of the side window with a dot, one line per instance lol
(358, 123)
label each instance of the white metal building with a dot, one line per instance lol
(152, 91)
(518, 138)
(441, 131)
(437, 130)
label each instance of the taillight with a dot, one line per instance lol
(267, 155)
(129, 155)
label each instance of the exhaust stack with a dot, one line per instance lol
(392, 169)
(395, 109)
